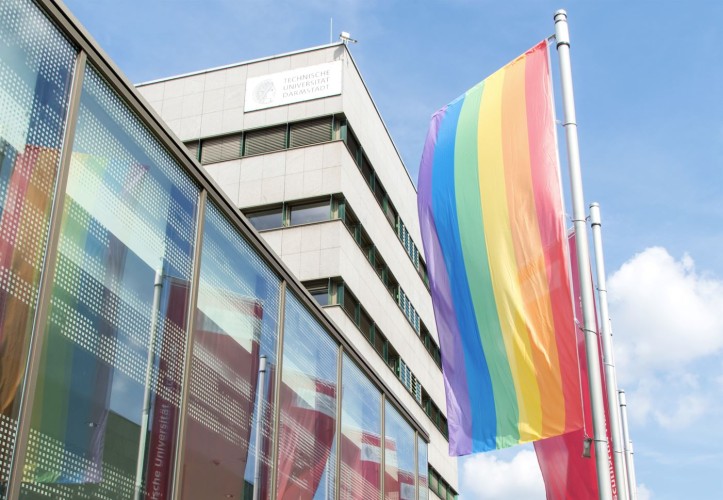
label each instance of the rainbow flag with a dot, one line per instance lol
(491, 214)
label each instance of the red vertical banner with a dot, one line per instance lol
(164, 421)
(566, 473)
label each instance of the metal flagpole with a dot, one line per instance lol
(583, 259)
(611, 378)
(632, 485)
(259, 424)
(145, 416)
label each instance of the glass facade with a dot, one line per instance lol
(361, 428)
(399, 456)
(308, 413)
(36, 67)
(147, 330)
(235, 324)
(422, 470)
(106, 407)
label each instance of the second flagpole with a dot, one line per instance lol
(592, 353)
(611, 383)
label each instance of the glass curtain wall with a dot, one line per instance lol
(36, 67)
(399, 456)
(235, 323)
(106, 406)
(105, 411)
(361, 430)
(307, 399)
(422, 469)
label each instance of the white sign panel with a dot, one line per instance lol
(296, 85)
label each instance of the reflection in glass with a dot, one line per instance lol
(106, 405)
(422, 468)
(236, 323)
(399, 469)
(309, 212)
(266, 219)
(361, 425)
(307, 448)
(36, 65)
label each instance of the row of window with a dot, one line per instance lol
(337, 207)
(305, 133)
(439, 486)
(334, 291)
(266, 140)
(370, 176)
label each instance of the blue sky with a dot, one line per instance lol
(649, 89)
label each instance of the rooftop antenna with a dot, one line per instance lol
(331, 29)
(346, 38)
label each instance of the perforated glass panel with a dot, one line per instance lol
(361, 428)
(36, 65)
(307, 422)
(106, 406)
(236, 323)
(422, 469)
(399, 459)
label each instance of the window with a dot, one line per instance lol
(320, 291)
(270, 218)
(365, 324)
(361, 430)
(193, 148)
(422, 468)
(265, 140)
(307, 408)
(36, 68)
(399, 467)
(221, 149)
(350, 305)
(310, 132)
(117, 321)
(236, 322)
(309, 212)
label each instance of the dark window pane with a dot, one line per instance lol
(310, 212)
(365, 324)
(350, 304)
(321, 295)
(266, 219)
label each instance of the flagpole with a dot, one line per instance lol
(611, 380)
(562, 35)
(259, 423)
(632, 485)
(147, 389)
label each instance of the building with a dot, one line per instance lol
(296, 141)
(138, 306)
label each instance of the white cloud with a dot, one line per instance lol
(489, 477)
(665, 313)
(644, 493)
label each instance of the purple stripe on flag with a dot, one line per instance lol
(453, 365)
